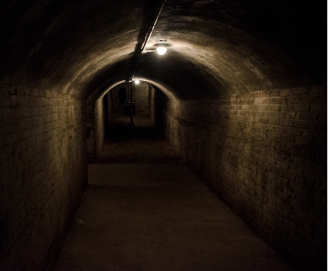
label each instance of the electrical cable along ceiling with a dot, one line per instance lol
(214, 48)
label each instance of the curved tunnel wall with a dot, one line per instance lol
(43, 173)
(264, 153)
(249, 114)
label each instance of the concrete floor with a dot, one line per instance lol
(155, 214)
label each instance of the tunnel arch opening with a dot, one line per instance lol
(99, 108)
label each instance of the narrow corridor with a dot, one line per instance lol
(240, 93)
(144, 209)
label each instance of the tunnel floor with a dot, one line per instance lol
(145, 210)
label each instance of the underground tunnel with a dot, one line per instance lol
(240, 96)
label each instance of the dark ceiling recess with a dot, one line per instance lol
(239, 46)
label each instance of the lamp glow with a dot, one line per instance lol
(161, 50)
(137, 82)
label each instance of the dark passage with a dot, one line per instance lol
(146, 210)
(144, 144)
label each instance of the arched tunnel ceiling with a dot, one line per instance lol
(214, 47)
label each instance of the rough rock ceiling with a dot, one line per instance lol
(214, 47)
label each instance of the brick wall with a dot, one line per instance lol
(42, 171)
(263, 153)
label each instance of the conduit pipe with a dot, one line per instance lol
(150, 31)
(129, 81)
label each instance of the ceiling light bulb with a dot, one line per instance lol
(161, 50)
(137, 82)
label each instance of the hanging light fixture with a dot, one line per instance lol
(161, 50)
(137, 82)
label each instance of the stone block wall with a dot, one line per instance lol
(43, 171)
(264, 154)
